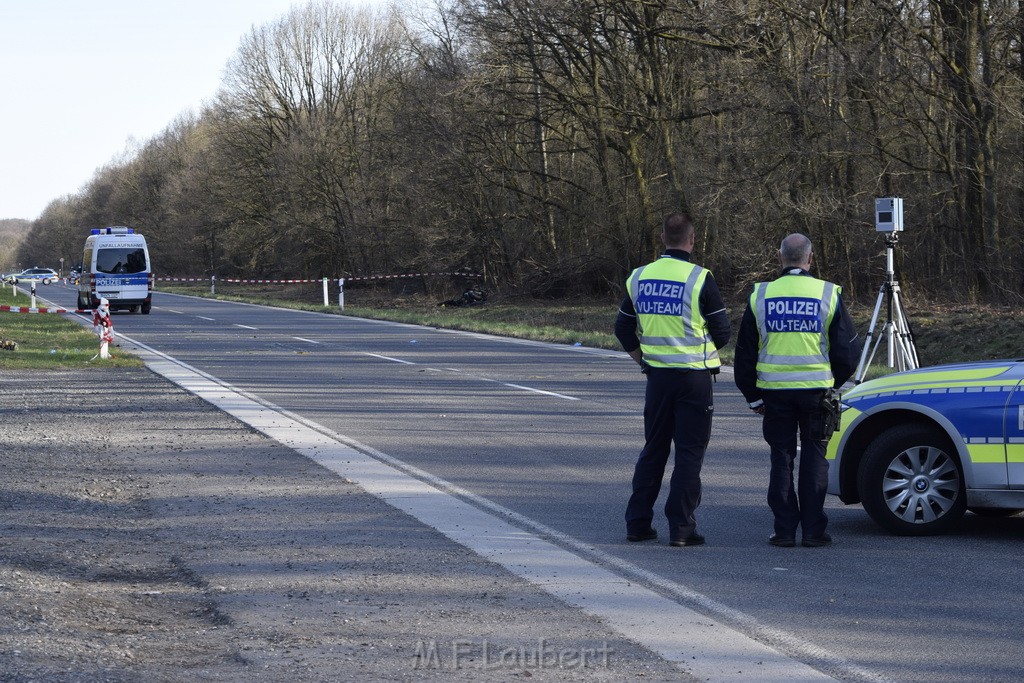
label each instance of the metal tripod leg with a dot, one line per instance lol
(902, 354)
(868, 352)
(903, 339)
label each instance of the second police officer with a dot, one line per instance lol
(796, 342)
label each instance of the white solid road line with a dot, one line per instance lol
(308, 341)
(629, 599)
(540, 391)
(389, 358)
(246, 327)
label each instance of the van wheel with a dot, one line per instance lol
(82, 303)
(133, 309)
(145, 308)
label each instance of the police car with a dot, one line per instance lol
(919, 448)
(44, 275)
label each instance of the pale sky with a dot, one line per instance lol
(81, 79)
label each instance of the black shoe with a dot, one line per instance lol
(781, 541)
(817, 541)
(692, 539)
(646, 535)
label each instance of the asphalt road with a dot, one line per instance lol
(551, 432)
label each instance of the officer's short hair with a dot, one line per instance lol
(795, 249)
(678, 227)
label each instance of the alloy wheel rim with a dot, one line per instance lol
(921, 484)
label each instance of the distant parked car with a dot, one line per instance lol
(44, 275)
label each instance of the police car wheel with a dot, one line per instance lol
(911, 482)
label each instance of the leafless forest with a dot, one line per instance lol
(541, 142)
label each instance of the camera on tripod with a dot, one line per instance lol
(889, 214)
(902, 352)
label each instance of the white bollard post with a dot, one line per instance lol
(327, 298)
(33, 304)
(213, 284)
(341, 293)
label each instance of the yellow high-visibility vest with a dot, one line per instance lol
(793, 315)
(672, 331)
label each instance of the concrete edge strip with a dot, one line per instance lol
(710, 648)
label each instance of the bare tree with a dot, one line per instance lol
(308, 104)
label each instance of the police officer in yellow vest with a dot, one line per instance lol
(672, 322)
(796, 341)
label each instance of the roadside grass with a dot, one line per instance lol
(584, 323)
(49, 341)
(949, 334)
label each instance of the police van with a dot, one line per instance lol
(116, 267)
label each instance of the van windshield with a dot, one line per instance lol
(121, 261)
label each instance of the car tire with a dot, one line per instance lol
(145, 308)
(911, 483)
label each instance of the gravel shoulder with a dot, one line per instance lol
(145, 535)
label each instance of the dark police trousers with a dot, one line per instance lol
(678, 409)
(785, 412)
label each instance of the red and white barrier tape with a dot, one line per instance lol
(28, 309)
(395, 277)
(291, 281)
(263, 282)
